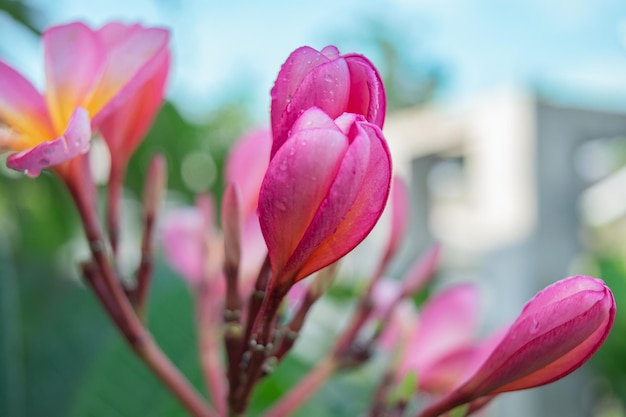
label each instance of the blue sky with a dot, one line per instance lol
(573, 49)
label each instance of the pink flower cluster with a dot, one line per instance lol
(298, 198)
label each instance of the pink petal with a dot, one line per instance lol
(448, 321)
(183, 243)
(134, 57)
(397, 331)
(22, 108)
(445, 373)
(114, 33)
(296, 183)
(291, 74)
(246, 165)
(561, 290)
(74, 63)
(307, 79)
(331, 52)
(421, 271)
(343, 221)
(384, 294)
(253, 253)
(75, 141)
(124, 129)
(367, 94)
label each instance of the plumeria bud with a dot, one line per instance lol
(323, 192)
(335, 83)
(156, 182)
(231, 226)
(557, 331)
(95, 70)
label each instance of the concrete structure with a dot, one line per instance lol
(500, 183)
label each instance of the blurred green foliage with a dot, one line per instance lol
(611, 360)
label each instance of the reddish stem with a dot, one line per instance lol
(292, 330)
(114, 192)
(208, 328)
(117, 304)
(153, 191)
(261, 343)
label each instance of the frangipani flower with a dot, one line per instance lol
(323, 192)
(335, 83)
(89, 74)
(556, 333)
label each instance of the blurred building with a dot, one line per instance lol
(507, 184)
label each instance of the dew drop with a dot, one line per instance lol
(534, 327)
(283, 166)
(280, 205)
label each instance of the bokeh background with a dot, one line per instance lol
(450, 68)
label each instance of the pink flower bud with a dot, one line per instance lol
(323, 192)
(334, 83)
(557, 331)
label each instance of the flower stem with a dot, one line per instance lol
(210, 358)
(114, 191)
(117, 305)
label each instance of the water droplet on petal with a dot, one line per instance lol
(281, 206)
(534, 327)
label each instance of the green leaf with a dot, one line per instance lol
(405, 390)
(119, 384)
(459, 411)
